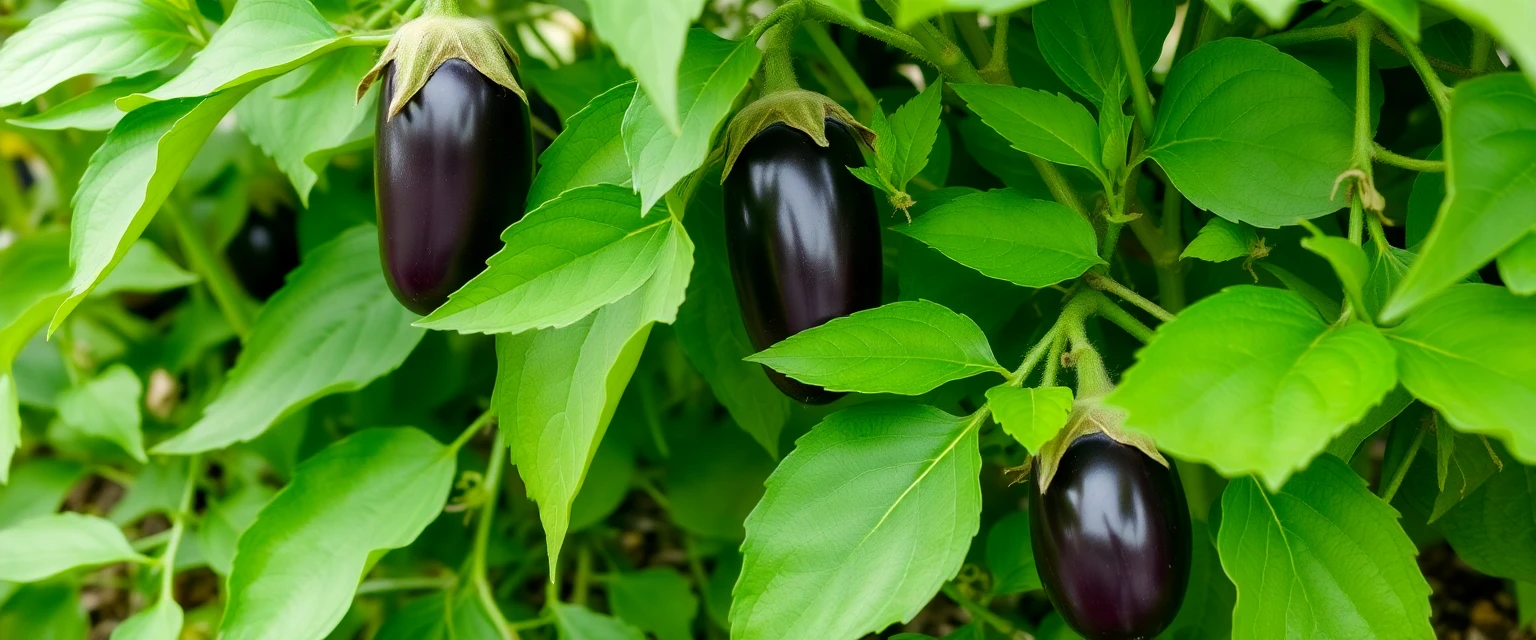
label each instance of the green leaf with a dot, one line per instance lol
(1494, 528)
(1345, 446)
(333, 327)
(909, 12)
(35, 269)
(1388, 266)
(907, 348)
(259, 40)
(1349, 262)
(607, 483)
(1239, 118)
(656, 600)
(425, 618)
(107, 407)
(156, 489)
(589, 151)
(1324, 558)
(47, 611)
(1470, 353)
(1005, 235)
(570, 87)
(112, 38)
(585, 249)
(1276, 13)
(1050, 126)
(1253, 380)
(94, 110)
(714, 70)
(1324, 304)
(159, 622)
(1463, 462)
(1078, 41)
(648, 38)
(913, 128)
(575, 622)
(1011, 556)
(224, 522)
(36, 488)
(145, 269)
(128, 179)
(714, 479)
(312, 108)
(556, 389)
(925, 274)
(1032, 416)
(712, 334)
(1220, 241)
(893, 491)
(46, 545)
(1510, 21)
(1424, 202)
(1490, 147)
(298, 565)
(1517, 266)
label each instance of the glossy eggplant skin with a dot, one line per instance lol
(452, 170)
(803, 237)
(264, 250)
(1111, 540)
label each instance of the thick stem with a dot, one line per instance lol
(1123, 319)
(869, 28)
(1364, 144)
(975, 40)
(844, 70)
(1432, 82)
(385, 11)
(1482, 48)
(1106, 283)
(778, 65)
(1057, 184)
(1168, 264)
(996, 70)
(1386, 156)
(942, 52)
(227, 294)
(1120, 12)
(1312, 34)
(1356, 220)
(1092, 377)
(482, 584)
(1378, 236)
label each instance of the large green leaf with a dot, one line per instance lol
(36, 488)
(1032, 416)
(1011, 555)
(714, 70)
(891, 491)
(128, 179)
(908, 137)
(1511, 21)
(225, 520)
(144, 269)
(910, 12)
(1517, 266)
(1050, 126)
(1005, 235)
(45, 611)
(298, 565)
(34, 269)
(575, 622)
(656, 600)
(1349, 263)
(556, 389)
(94, 110)
(107, 407)
(587, 248)
(1253, 380)
(1078, 41)
(648, 38)
(1494, 528)
(46, 545)
(1324, 558)
(159, 622)
(111, 38)
(589, 151)
(1490, 151)
(334, 327)
(1252, 134)
(1471, 354)
(907, 348)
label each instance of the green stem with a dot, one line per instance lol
(1432, 82)
(1105, 283)
(1142, 97)
(1035, 355)
(1123, 319)
(844, 70)
(1194, 17)
(443, 8)
(1052, 362)
(1378, 236)
(975, 40)
(1386, 156)
(384, 12)
(942, 52)
(178, 528)
(1057, 184)
(227, 294)
(1482, 48)
(1312, 34)
(1389, 489)
(1168, 263)
(415, 10)
(1364, 145)
(583, 582)
(870, 28)
(151, 541)
(477, 570)
(1432, 62)
(978, 611)
(996, 70)
(422, 583)
(778, 65)
(1356, 220)
(1092, 377)
(480, 422)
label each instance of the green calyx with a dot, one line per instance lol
(1090, 416)
(424, 44)
(807, 111)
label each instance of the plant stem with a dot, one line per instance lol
(996, 69)
(1123, 319)
(422, 583)
(1378, 236)
(1398, 47)
(1482, 47)
(1035, 355)
(1168, 263)
(442, 8)
(844, 70)
(178, 529)
(1105, 283)
(1386, 156)
(942, 52)
(1141, 96)
(1052, 362)
(778, 65)
(1432, 82)
(975, 40)
(151, 541)
(485, 418)
(1312, 34)
(379, 17)
(1092, 377)
(1389, 489)
(1356, 220)
(870, 28)
(482, 584)
(977, 610)
(1364, 148)
(1057, 184)
(227, 294)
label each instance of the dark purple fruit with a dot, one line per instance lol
(803, 236)
(452, 170)
(1112, 540)
(264, 250)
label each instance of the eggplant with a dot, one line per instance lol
(1111, 539)
(452, 171)
(803, 237)
(264, 250)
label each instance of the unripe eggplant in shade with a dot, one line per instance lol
(803, 236)
(264, 250)
(1111, 539)
(452, 169)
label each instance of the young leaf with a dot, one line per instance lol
(1470, 353)
(575, 622)
(1253, 380)
(1011, 556)
(1220, 241)
(1349, 262)
(1032, 416)
(1052, 127)
(224, 522)
(1005, 235)
(110, 38)
(648, 38)
(714, 71)
(556, 389)
(1322, 555)
(1078, 41)
(46, 545)
(333, 327)
(913, 129)
(1490, 146)
(1517, 266)
(94, 110)
(587, 248)
(1388, 266)
(159, 622)
(893, 494)
(1510, 21)
(35, 268)
(107, 407)
(1494, 528)
(907, 348)
(298, 565)
(1240, 118)
(144, 269)
(36, 488)
(589, 151)
(656, 600)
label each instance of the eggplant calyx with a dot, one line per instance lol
(1090, 416)
(807, 111)
(424, 44)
